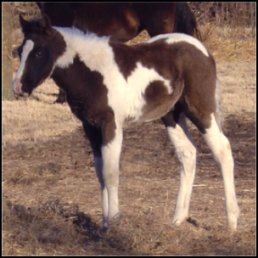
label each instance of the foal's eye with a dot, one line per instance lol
(38, 54)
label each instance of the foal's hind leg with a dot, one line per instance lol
(186, 153)
(221, 150)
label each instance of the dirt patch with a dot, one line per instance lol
(52, 196)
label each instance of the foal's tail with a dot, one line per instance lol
(219, 113)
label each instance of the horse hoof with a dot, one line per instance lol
(104, 227)
(106, 223)
(176, 222)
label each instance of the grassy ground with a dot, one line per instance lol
(51, 200)
(6, 58)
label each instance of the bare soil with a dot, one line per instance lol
(51, 198)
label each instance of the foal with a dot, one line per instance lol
(108, 83)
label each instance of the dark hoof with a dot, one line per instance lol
(60, 100)
(111, 223)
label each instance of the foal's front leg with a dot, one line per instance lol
(106, 143)
(94, 135)
(111, 148)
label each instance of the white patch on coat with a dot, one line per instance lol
(91, 49)
(27, 48)
(125, 97)
(221, 150)
(180, 37)
(66, 59)
(129, 99)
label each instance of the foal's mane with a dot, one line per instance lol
(75, 33)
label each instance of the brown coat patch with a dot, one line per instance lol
(87, 96)
(158, 101)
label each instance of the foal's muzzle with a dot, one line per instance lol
(17, 88)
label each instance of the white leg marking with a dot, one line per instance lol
(111, 155)
(186, 153)
(104, 195)
(221, 150)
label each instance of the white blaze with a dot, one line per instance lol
(16, 83)
(25, 52)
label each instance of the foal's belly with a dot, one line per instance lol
(149, 107)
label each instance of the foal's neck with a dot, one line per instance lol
(92, 50)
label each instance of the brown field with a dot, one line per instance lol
(51, 198)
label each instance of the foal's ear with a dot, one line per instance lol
(41, 25)
(24, 24)
(45, 22)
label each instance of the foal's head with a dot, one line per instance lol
(41, 47)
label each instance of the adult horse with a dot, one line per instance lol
(108, 84)
(121, 21)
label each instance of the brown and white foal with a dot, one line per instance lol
(171, 76)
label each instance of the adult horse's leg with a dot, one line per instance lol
(185, 21)
(186, 153)
(164, 13)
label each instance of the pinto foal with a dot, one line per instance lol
(108, 83)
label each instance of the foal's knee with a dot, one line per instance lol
(111, 178)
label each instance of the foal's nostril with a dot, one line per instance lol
(17, 87)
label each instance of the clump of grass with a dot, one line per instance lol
(229, 44)
(40, 229)
(24, 177)
(6, 59)
(27, 175)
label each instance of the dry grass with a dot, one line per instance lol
(225, 43)
(229, 44)
(51, 199)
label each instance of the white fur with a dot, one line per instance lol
(186, 153)
(111, 155)
(221, 150)
(92, 50)
(66, 59)
(16, 83)
(128, 100)
(180, 37)
(27, 48)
